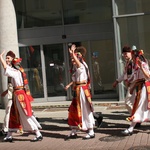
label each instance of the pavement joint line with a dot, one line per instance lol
(44, 110)
(114, 105)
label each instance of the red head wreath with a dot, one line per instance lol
(137, 53)
(16, 61)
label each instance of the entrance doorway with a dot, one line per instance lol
(55, 70)
(48, 66)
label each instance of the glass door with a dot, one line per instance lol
(31, 62)
(55, 70)
(103, 67)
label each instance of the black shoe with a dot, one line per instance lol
(40, 138)
(126, 132)
(88, 136)
(8, 139)
(138, 125)
(71, 137)
(3, 132)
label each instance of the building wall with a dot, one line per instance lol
(104, 27)
(61, 22)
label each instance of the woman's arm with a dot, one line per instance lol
(145, 71)
(78, 63)
(67, 86)
(3, 62)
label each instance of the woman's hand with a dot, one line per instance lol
(1, 55)
(67, 86)
(72, 49)
(115, 84)
(2, 60)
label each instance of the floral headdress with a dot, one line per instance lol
(137, 52)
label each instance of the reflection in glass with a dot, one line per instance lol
(37, 80)
(38, 13)
(90, 11)
(32, 64)
(103, 66)
(96, 68)
(132, 6)
(135, 31)
(55, 70)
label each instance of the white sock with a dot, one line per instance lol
(132, 126)
(38, 133)
(91, 131)
(73, 132)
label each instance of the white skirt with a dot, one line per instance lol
(142, 113)
(28, 123)
(88, 121)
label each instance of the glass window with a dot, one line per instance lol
(55, 70)
(103, 66)
(31, 62)
(87, 11)
(132, 6)
(38, 13)
(136, 31)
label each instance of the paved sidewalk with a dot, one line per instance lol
(55, 129)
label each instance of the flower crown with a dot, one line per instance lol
(16, 60)
(137, 52)
(141, 52)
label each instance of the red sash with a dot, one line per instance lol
(75, 115)
(14, 119)
(20, 95)
(88, 96)
(147, 84)
(24, 102)
(75, 112)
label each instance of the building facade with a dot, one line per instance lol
(45, 27)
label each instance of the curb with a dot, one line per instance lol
(109, 105)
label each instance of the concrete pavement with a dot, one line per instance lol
(55, 129)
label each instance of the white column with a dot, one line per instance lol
(8, 38)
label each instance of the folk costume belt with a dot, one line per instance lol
(81, 83)
(18, 88)
(140, 81)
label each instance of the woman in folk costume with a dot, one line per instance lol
(21, 111)
(141, 78)
(80, 116)
(128, 69)
(9, 57)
